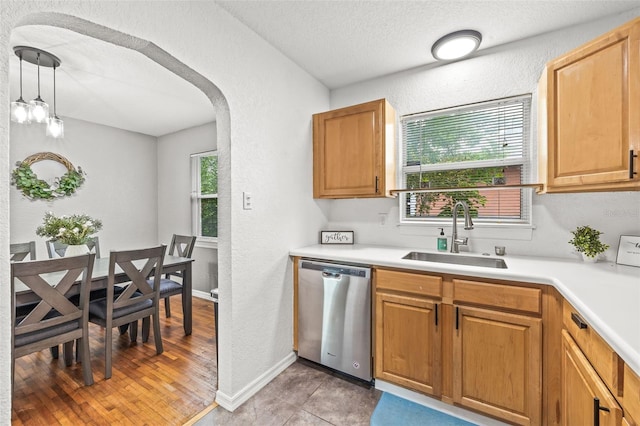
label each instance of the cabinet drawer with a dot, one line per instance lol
(427, 285)
(604, 359)
(631, 394)
(526, 299)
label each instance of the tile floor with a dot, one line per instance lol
(303, 394)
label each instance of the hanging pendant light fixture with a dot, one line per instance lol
(55, 126)
(38, 109)
(19, 108)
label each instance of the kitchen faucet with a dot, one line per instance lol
(468, 224)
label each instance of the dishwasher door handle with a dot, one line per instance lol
(331, 275)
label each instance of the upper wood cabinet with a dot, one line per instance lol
(354, 151)
(589, 117)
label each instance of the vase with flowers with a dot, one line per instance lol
(74, 230)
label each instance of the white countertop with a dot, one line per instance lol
(606, 294)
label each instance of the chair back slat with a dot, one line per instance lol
(138, 289)
(19, 251)
(182, 245)
(53, 281)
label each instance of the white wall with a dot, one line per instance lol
(265, 149)
(120, 186)
(174, 196)
(504, 71)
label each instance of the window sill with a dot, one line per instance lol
(207, 242)
(506, 231)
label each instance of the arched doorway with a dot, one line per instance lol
(161, 57)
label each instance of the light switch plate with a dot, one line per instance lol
(247, 201)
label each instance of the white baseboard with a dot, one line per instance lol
(232, 402)
(201, 294)
(452, 410)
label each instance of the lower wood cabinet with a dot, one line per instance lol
(586, 400)
(408, 342)
(497, 364)
(453, 345)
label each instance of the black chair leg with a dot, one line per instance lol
(146, 323)
(167, 307)
(123, 328)
(54, 352)
(133, 331)
(68, 353)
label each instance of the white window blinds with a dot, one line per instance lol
(471, 146)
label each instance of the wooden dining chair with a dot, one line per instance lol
(182, 246)
(19, 251)
(57, 249)
(138, 300)
(55, 319)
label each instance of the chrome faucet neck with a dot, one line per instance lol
(468, 224)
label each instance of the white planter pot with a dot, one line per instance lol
(76, 250)
(588, 259)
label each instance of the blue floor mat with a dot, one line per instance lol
(392, 410)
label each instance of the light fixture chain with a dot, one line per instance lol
(21, 76)
(38, 59)
(54, 92)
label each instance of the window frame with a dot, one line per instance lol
(527, 161)
(196, 196)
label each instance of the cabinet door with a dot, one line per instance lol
(408, 342)
(497, 367)
(593, 101)
(350, 151)
(585, 398)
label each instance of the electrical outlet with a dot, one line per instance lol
(247, 201)
(382, 219)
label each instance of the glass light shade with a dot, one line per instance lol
(38, 111)
(20, 111)
(55, 127)
(456, 45)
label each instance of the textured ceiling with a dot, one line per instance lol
(342, 42)
(107, 84)
(338, 42)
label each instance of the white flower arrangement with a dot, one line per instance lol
(69, 229)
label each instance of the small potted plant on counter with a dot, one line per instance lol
(586, 240)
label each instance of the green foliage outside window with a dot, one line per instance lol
(209, 186)
(450, 139)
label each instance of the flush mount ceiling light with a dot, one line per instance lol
(37, 110)
(456, 45)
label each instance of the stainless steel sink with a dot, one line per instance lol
(486, 262)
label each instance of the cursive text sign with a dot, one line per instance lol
(336, 237)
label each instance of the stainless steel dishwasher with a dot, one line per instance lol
(334, 316)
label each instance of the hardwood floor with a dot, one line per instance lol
(149, 389)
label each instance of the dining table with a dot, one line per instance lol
(99, 278)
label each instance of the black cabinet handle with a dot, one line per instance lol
(596, 411)
(579, 321)
(436, 314)
(378, 184)
(457, 317)
(631, 157)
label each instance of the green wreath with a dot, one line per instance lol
(34, 188)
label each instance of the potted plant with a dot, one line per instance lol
(586, 240)
(73, 230)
